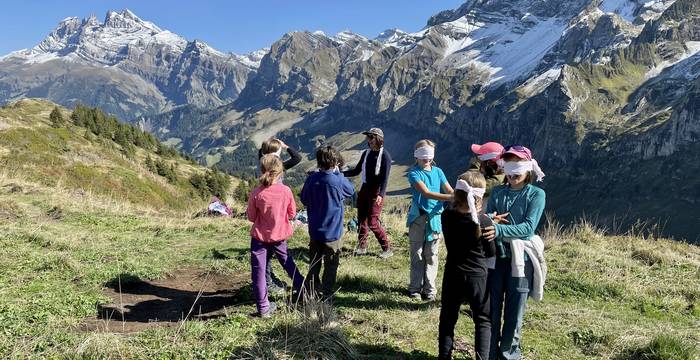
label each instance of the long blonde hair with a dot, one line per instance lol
(271, 167)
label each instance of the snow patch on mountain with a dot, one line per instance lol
(346, 36)
(692, 50)
(253, 59)
(539, 83)
(509, 47)
(624, 8)
(390, 36)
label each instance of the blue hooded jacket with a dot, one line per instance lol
(323, 194)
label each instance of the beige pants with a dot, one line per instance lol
(424, 259)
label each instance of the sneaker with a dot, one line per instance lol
(386, 254)
(414, 295)
(269, 311)
(429, 297)
(360, 251)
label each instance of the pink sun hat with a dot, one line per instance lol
(519, 151)
(488, 151)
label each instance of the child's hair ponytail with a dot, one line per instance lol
(271, 167)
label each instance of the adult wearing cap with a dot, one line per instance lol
(517, 208)
(375, 166)
(486, 162)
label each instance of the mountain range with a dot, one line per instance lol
(126, 66)
(605, 92)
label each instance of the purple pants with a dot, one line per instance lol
(259, 253)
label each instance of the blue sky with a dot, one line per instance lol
(237, 26)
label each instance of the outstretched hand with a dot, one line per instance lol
(500, 219)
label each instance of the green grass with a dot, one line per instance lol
(602, 299)
(63, 157)
(66, 238)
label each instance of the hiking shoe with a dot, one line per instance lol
(360, 251)
(386, 254)
(414, 295)
(269, 311)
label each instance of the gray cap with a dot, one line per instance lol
(374, 131)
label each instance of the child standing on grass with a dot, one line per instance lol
(429, 188)
(270, 208)
(276, 146)
(323, 194)
(516, 208)
(465, 274)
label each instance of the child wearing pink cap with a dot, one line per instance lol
(517, 207)
(487, 161)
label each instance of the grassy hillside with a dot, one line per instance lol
(93, 277)
(100, 161)
(103, 259)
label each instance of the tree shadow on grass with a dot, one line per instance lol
(136, 300)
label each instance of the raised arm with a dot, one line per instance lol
(294, 159)
(358, 168)
(348, 188)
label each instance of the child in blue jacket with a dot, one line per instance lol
(323, 194)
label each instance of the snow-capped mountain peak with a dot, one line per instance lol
(389, 36)
(346, 36)
(128, 20)
(252, 59)
(92, 41)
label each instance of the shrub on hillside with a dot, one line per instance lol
(241, 162)
(245, 186)
(213, 183)
(166, 171)
(56, 118)
(109, 127)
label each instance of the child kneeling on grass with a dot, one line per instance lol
(323, 194)
(270, 208)
(466, 274)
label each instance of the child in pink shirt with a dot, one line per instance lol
(270, 207)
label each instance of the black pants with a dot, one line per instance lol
(327, 255)
(457, 288)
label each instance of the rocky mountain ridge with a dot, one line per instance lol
(589, 85)
(127, 66)
(592, 86)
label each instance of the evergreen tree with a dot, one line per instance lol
(150, 165)
(217, 182)
(199, 182)
(56, 117)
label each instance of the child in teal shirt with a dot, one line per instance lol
(517, 209)
(429, 188)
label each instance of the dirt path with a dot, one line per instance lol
(191, 294)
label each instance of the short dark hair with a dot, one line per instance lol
(327, 157)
